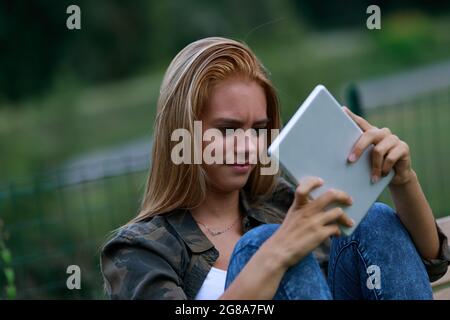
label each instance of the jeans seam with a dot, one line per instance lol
(333, 267)
(359, 250)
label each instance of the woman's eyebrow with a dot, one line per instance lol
(237, 123)
(261, 122)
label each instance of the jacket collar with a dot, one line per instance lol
(186, 227)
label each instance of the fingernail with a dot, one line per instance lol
(352, 222)
(352, 157)
(375, 179)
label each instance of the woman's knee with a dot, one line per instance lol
(256, 236)
(246, 247)
(381, 220)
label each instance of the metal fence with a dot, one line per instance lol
(53, 220)
(63, 218)
(423, 121)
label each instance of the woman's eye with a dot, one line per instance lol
(227, 131)
(259, 131)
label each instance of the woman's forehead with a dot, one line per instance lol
(236, 98)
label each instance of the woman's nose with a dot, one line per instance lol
(247, 146)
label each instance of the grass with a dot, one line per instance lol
(44, 135)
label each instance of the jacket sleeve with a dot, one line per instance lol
(436, 268)
(141, 268)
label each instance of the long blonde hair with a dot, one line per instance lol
(183, 94)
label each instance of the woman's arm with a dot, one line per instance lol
(260, 278)
(139, 266)
(412, 207)
(416, 215)
(305, 226)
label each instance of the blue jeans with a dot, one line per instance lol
(378, 261)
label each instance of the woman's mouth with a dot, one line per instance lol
(240, 168)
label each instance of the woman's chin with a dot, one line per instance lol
(229, 178)
(236, 178)
(232, 181)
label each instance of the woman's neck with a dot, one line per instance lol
(218, 206)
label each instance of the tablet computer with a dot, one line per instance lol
(317, 142)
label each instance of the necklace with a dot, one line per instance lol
(216, 233)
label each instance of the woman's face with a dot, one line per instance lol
(234, 103)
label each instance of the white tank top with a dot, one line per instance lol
(213, 286)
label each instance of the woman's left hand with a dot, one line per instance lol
(388, 151)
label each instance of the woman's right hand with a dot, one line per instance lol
(307, 223)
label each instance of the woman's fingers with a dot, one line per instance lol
(336, 215)
(333, 196)
(331, 230)
(393, 156)
(371, 136)
(303, 189)
(378, 154)
(360, 121)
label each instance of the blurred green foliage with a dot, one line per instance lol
(117, 39)
(6, 266)
(408, 33)
(41, 132)
(120, 38)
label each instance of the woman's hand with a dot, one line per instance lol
(411, 205)
(388, 152)
(307, 224)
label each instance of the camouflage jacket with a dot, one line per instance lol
(168, 256)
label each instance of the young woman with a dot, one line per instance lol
(226, 231)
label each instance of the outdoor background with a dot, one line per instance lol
(77, 107)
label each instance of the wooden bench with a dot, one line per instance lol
(441, 288)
